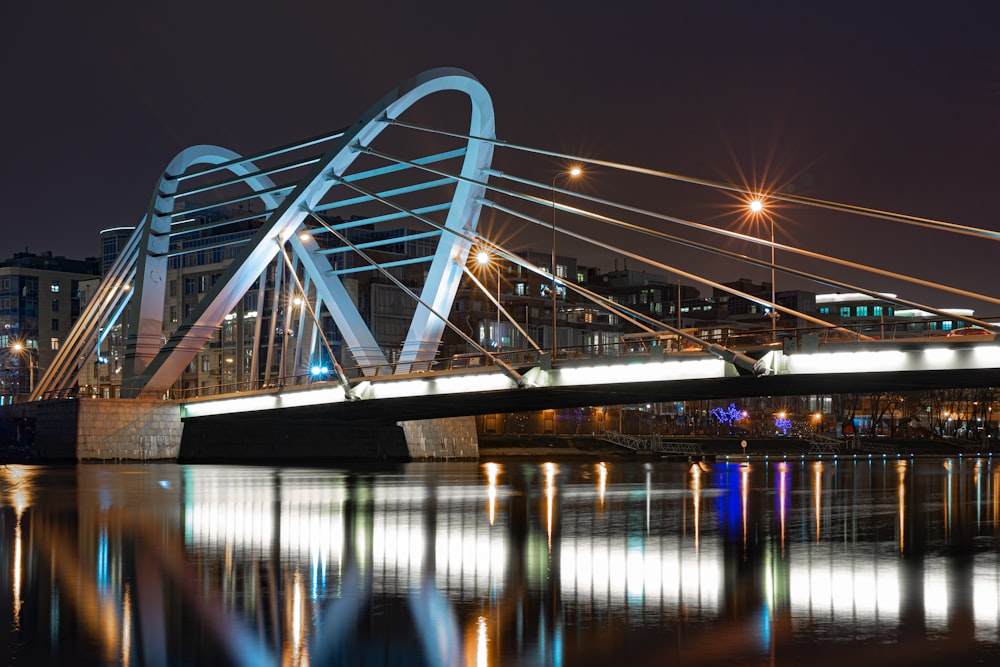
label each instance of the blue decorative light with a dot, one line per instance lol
(728, 415)
(784, 423)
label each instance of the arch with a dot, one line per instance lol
(152, 367)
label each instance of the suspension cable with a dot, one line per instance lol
(507, 368)
(720, 185)
(341, 376)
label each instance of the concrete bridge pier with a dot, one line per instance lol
(434, 439)
(95, 429)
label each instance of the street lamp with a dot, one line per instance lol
(20, 348)
(483, 259)
(572, 173)
(757, 206)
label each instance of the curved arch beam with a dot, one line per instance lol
(146, 316)
(445, 272)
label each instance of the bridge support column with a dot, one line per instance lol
(95, 429)
(452, 438)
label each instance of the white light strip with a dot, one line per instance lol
(229, 405)
(859, 361)
(847, 362)
(691, 369)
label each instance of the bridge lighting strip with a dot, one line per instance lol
(292, 399)
(445, 385)
(874, 361)
(691, 369)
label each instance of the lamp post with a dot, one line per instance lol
(20, 348)
(483, 259)
(757, 206)
(572, 173)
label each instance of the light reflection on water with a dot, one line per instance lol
(502, 563)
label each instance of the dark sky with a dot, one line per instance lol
(891, 105)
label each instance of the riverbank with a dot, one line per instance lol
(592, 446)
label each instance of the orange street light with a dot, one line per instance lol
(757, 207)
(484, 259)
(572, 173)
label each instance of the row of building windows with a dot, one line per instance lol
(859, 311)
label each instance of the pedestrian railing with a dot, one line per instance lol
(822, 444)
(653, 443)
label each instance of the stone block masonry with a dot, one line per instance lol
(436, 439)
(94, 429)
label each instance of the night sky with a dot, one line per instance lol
(889, 105)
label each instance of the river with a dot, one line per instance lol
(867, 561)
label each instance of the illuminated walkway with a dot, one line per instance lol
(841, 367)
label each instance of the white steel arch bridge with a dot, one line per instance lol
(433, 183)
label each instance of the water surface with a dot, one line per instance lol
(820, 562)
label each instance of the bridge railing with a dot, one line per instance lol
(652, 347)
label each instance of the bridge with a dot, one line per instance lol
(275, 222)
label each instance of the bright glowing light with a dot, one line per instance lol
(248, 404)
(550, 492)
(985, 597)
(708, 367)
(745, 499)
(853, 362)
(298, 635)
(696, 495)
(492, 471)
(17, 573)
(756, 206)
(126, 659)
(936, 596)
(482, 258)
(602, 481)
(575, 171)
(481, 639)
(818, 495)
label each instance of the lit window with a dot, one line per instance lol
(55, 286)
(862, 311)
(561, 270)
(877, 311)
(54, 342)
(845, 311)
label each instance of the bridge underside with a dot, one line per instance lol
(363, 430)
(519, 400)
